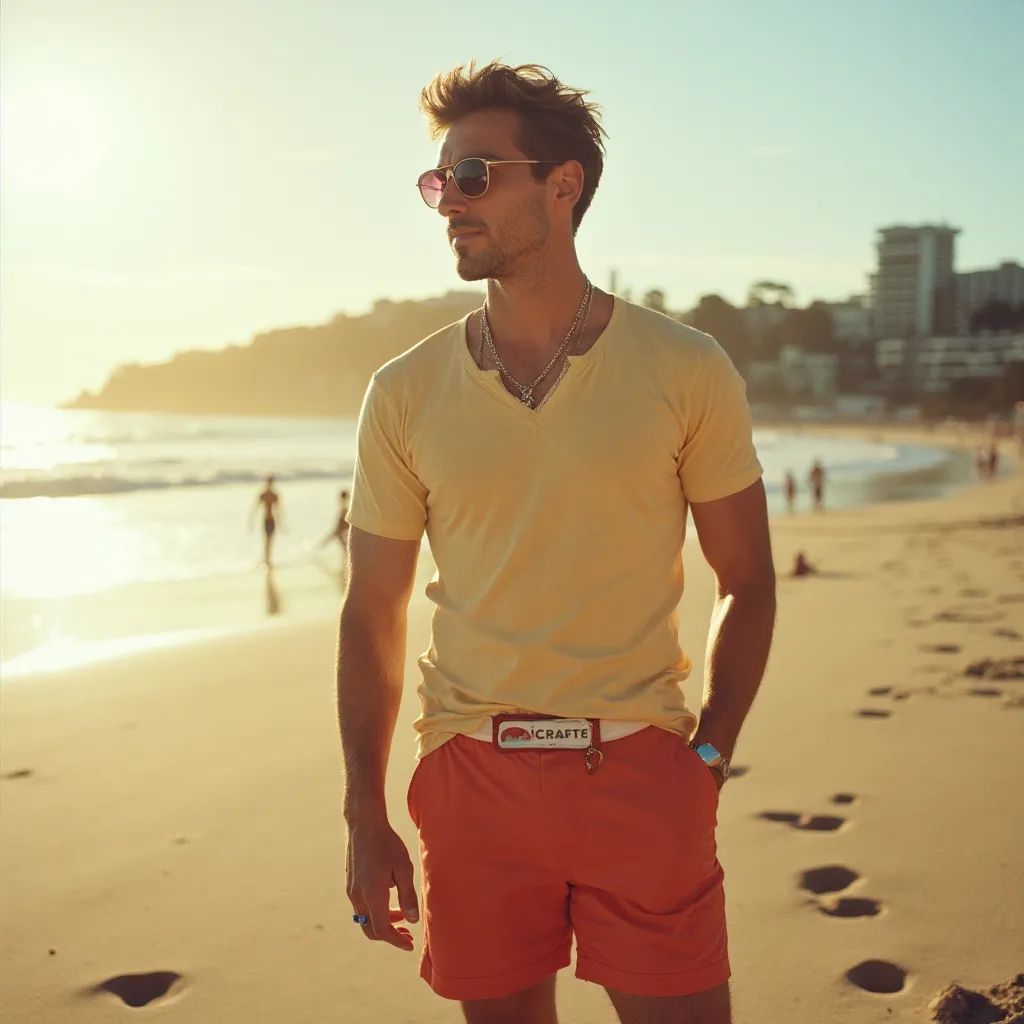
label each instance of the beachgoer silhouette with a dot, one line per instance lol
(269, 499)
(817, 479)
(993, 460)
(339, 531)
(802, 567)
(790, 491)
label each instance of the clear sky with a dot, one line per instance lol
(183, 173)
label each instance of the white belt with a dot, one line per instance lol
(611, 729)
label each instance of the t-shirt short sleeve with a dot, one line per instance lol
(388, 499)
(718, 457)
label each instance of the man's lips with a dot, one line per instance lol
(457, 234)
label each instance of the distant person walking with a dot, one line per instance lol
(339, 531)
(790, 490)
(270, 501)
(817, 479)
(981, 463)
(993, 460)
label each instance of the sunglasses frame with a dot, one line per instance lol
(448, 170)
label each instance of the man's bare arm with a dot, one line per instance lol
(734, 537)
(371, 663)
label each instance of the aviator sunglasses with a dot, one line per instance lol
(472, 178)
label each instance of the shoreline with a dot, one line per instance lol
(106, 624)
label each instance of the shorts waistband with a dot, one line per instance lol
(611, 729)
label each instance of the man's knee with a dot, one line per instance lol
(709, 1007)
(533, 1005)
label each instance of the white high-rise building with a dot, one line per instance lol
(914, 284)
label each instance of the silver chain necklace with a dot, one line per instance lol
(565, 363)
(526, 390)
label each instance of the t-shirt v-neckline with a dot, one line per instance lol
(490, 380)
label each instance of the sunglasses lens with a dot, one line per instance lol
(471, 177)
(431, 185)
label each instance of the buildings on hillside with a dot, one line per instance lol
(976, 288)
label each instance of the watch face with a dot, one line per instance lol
(709, 753)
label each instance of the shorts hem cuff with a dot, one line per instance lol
(683, 983)
(494, 986)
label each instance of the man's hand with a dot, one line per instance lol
(376, 861)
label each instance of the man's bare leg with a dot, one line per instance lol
(710, 1007)
(533, 1005)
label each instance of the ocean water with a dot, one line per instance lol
(93, 500)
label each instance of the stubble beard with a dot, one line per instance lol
(521, 237)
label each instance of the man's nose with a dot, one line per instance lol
(452, 200)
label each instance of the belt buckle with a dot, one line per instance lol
(513, 731)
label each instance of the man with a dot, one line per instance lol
(550, 445)
(817, 479)
(270, 501)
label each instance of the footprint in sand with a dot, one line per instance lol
(828, 879)
(996, 668)
(806, 822)
(844, 798)
(832, 879)
(985, 691)
(973, 592)
(878, 976)
(140, 989)
(1009, 634)
(873, 713)
(941, 648)
(879, 691)
(1010, 598)
(19, 773)
(849, 906)
(968, 615)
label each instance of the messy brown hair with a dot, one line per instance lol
(557, 123)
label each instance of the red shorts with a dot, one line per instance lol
(522, 849)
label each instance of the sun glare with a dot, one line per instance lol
(51, 137)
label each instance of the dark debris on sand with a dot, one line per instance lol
(997, 668)
(1002, 1003)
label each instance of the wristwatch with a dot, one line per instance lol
(712, 757)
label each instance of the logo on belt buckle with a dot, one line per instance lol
(542, 732)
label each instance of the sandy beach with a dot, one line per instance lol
(175, 813)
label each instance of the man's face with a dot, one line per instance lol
(492, 235)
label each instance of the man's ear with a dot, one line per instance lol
(569, 182)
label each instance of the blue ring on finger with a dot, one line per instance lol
(360, 919)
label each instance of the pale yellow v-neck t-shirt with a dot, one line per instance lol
(557, 532)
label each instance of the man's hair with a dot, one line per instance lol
(557, 123)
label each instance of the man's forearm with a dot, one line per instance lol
(371, 662)
(739, 639)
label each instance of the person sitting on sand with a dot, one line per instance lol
(269, 499)
(802, 567)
